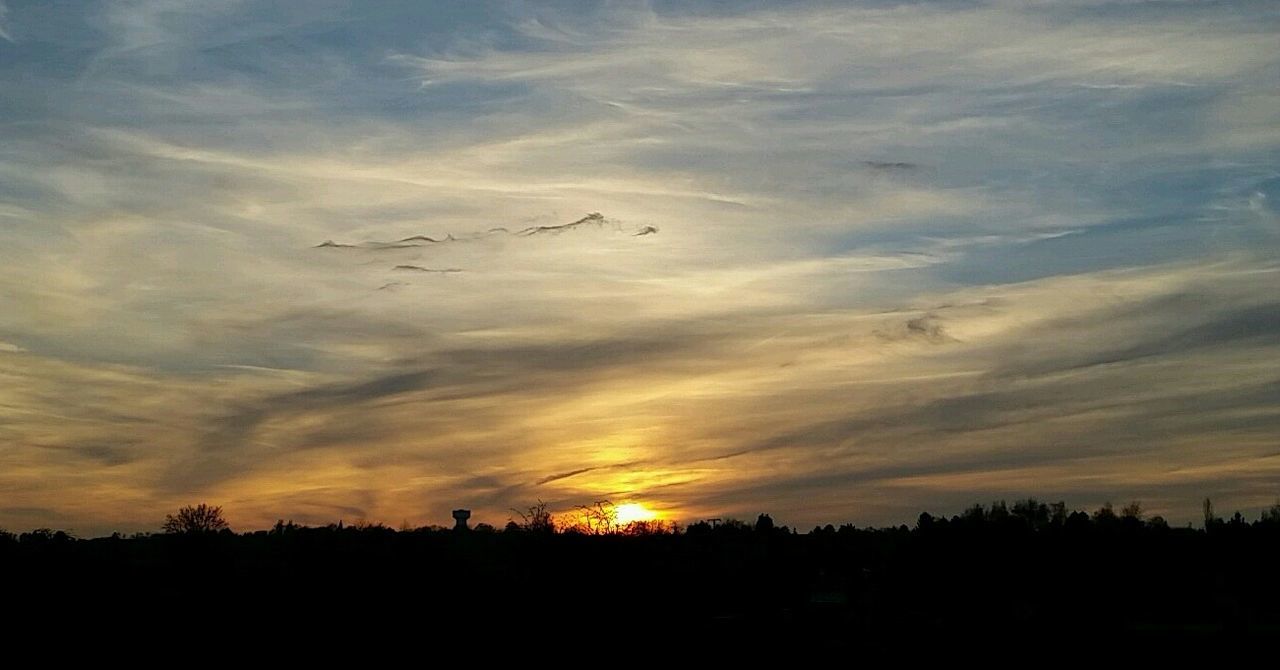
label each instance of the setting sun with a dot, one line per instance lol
(629, 512)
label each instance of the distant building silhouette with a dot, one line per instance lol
(460, 517)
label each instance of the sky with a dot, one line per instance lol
(837, 262)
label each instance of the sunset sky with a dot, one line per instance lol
(839, 262)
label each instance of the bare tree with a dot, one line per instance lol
(200, 518)
(535, 518)
(598, 518)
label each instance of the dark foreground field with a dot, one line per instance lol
(1002, 576)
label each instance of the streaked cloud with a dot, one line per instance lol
(4, 31)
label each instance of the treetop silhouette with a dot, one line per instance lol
(200, 518)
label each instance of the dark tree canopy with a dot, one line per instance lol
(200, 518)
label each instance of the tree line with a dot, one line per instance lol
(601, 518)
(995, 571)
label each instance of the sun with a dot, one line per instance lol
(629, 512)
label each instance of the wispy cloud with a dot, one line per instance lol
(419, 268)
(594, 219)
(4, 23)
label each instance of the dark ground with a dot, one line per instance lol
(985, 578)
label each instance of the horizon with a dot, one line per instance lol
(575, 519)
(829, 260)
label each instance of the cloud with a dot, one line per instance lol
(418, 268)
(927, 327)
(593, 219)
(4, 23)
(431, 240)
(890, 166)
(564, 475)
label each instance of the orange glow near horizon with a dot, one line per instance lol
(629, 512)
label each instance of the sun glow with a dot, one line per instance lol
(629, 512)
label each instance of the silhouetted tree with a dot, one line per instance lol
(1210, 519)
(999, 512)
(598, 518)
(764, 523)
(282, 528)
(1058, 513)
(651, 527)
(1034, 513)
(975, 514)
(1077, 521)
(1132, 511)
(41, 536)
(536, 518)
(200, 518)
(699, 528)
(1105, 514)
(1271, 515)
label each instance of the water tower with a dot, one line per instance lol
(460, 517)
